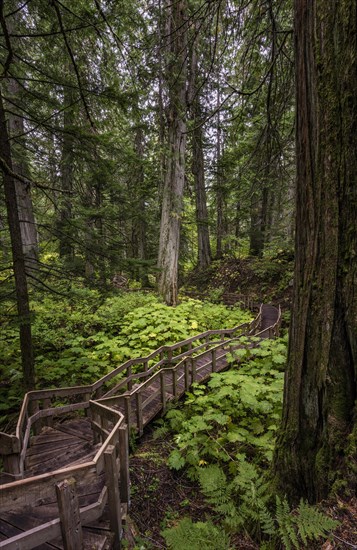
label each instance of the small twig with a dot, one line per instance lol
(345, 542)
(7, 170)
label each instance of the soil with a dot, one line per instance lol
(260, 279)
(161, 497)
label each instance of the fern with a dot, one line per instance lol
(286, 527)
(307, 522)
(311, 523)
(196, 536)
(214, 485)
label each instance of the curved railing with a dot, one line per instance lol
(177, 367)
(37, 403)
(111, 459)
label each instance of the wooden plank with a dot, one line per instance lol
(59, 392)
(33, 537)
(75, 431)
(112, 483)
(59, 454)
(9, 444)
(56, 443)
(71, 527)
(104, 412)
(49, 435)
(124, 464)
(32, 491)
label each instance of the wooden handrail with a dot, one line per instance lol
(109, 424)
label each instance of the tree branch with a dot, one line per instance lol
(10, 54)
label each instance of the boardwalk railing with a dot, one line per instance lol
(167, 372)
(111, 460)
(39, 405)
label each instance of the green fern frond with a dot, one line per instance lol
(196, 536)
(285, 522)
(214, 486)
(311, 523)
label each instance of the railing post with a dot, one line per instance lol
(207, 341)
(112, 483)
(33, 408)
(86, 398)
(68, 507)
(194, 372)
(169, 356)
(174, 383)
(99, 393)
(139, 412)
(187, 374)
(130, 382)
(128, 412)
(163, 390)
(48, 420)
(214, 359)
(124, 465)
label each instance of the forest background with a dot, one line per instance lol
(142, 141)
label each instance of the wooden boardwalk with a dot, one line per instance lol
(66, 471)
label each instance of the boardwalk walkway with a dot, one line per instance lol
(66, 471)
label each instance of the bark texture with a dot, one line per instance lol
(175, 162)
(28, 226)
(320, 385)
(198, 170)
(18, 257)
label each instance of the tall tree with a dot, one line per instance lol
(198, 164)
(18, 255)
(319, 415)
(176, 76)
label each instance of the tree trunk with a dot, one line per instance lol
(198, 170)
(256, 240)
(320, 385)
(220, 195)
(18, 257)
(28, 226)
(175, 163)
(65, 215)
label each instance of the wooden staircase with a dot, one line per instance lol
(67, 467)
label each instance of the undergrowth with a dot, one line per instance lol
(225, 436)
(83, 336)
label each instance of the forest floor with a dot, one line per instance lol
(161, 497)
(268, 279)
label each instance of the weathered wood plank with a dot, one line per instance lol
(112, 483)
(71, 527)
(32, 491)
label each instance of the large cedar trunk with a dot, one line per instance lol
(320, 384)
(175, 164)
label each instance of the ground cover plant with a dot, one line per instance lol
(225, 436)
(80, 337)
